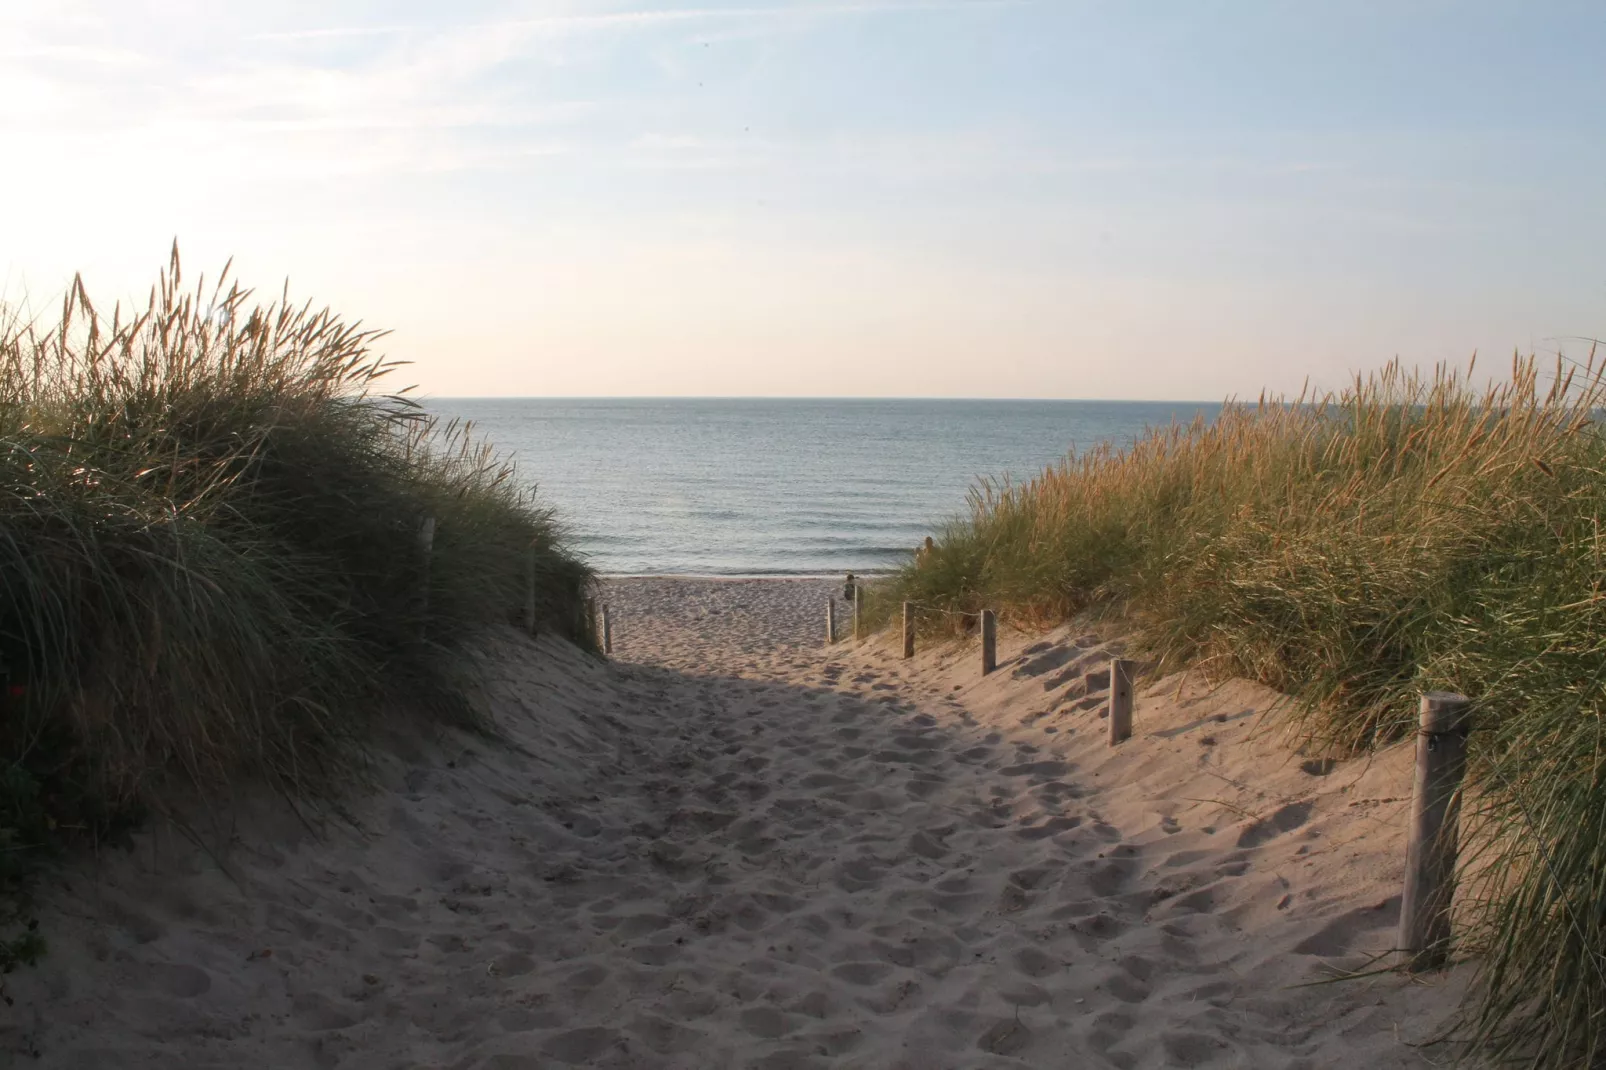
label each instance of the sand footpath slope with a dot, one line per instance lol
(735, 848)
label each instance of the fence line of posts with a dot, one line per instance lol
(600, 625)
(1443, 721)
(426, 550)
(1441, 749)
(989, 628)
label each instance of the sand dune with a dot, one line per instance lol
(736, 848)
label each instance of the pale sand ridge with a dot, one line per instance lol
(736, 848)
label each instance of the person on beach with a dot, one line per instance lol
(848, 588)
(924, 551)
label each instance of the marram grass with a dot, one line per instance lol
(208, 557)
(1406, 534)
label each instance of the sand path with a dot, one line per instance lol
(735, 848)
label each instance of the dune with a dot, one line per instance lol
(734, 846)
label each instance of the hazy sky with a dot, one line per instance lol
(866, 197)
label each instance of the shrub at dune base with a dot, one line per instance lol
(1354, 550)
(210, 564)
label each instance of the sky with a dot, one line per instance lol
(935, 198)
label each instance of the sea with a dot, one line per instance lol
(781, 487)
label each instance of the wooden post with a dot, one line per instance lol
(858, 609)
(426, 550)
(590, 618)
(908, 629)
(529, 592)
(1120, 700)
(989, 641)
(607, 630)
(1441, 760)
(830, 621)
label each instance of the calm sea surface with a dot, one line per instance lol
(780, 487)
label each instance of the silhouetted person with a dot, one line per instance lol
(848, 588)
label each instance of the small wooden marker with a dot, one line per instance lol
(1441, 761)
(426, 550)
(908, 629)
(830, 621)
(607, 630)
(858, 609)
(1120, 700)
(588, 618)
(529, 592)
(989, 641)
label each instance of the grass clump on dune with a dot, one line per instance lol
(209, 559)
(1352, 550)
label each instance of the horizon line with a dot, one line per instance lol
(799, 397)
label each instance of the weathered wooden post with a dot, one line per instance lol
(989, 641)
(529, 592)
(1441, 760)
(908, 629)
(589, 620)
(830, 621)
(1120, 700)
(607, 630)
(426, 550)
(858, 610)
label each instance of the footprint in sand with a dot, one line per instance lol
(862, 973)
(1343, 933)
(1037, 964)
(1037, 769)
(582, 1045)
(767, 1023)
(1052, 827)
(1008, 1036)
(1284, 819)
(929, 843)
(176, 979)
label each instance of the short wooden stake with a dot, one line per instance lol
(908, 629)
(588, 620)
(529, 592)
(1441, 761)
(426, 550)
(830, 621)
(858, 610)
(989, 641)
(1120, 700)
(607, 630)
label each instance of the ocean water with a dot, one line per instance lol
(755, 487)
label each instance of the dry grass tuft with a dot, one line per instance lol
(1408, 533)
(208, 566)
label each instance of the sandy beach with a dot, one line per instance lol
(735, 847)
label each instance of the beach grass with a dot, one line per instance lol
(210, 564)
(1354, 549)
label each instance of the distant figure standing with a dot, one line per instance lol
(848, 589)
(924, 552)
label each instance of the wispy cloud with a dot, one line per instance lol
(646, 18)
(384, 97)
